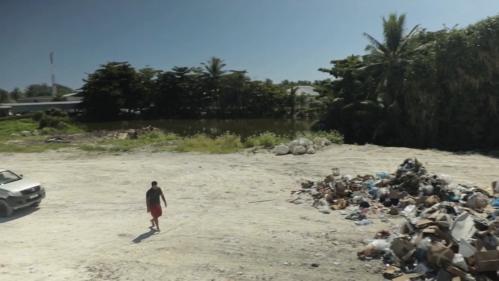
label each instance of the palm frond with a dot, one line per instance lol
(375, 43)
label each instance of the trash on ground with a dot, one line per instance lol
(450, 232)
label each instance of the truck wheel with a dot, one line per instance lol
(5, 209)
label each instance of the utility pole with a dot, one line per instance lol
(52, 70)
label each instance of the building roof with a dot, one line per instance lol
(305, 91)
(40, 103)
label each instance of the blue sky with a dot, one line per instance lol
(276, 39)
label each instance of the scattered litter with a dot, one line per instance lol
(450, 231)
(57, 140)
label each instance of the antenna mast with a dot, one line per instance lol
(52, 70)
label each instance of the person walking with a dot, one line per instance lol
(153, 203)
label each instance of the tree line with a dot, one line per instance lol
(419, 88)
(118, 90)
(33, 90)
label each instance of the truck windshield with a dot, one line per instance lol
(8, 176)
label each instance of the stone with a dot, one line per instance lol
(300, 142)
(299, 150)
(281, 149)
(310, 150)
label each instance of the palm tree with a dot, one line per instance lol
(213, 68)
(213, 71)
(391, 58)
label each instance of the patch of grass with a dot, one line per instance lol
(33, 147)
(15, 126)
(13, 140)
(265, 140)
(226, 143)
(157, 140)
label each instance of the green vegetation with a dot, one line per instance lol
(54, 120)
(265, 140)
(39, 90)
(209, 91)
(4, 96)
(15, 126)
(30, 135)
(226, 143)
(421, 88)
(154, 141)
(34, 91)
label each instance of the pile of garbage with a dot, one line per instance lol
(301, 146)
(450, 231)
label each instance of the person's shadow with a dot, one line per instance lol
(144, 236)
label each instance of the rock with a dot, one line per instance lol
(311, 150)
(281, 149)
(299, 150)
(304, 142)
(300, 142)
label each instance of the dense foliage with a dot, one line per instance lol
(39, 90)
(117, 89)
(424, 89)
(34, 91)
(4, 95)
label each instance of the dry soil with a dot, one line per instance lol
(228, 217)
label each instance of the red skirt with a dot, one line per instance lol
(156, 211)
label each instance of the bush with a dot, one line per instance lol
(48, 121)
(52, 118)
(266, 140)
(37, 116)
(56, 112)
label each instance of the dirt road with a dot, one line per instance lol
(228, 218)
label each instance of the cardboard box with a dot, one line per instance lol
(487, 261)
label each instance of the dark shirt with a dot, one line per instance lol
(152, 196)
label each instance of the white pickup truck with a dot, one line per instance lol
(17, 192)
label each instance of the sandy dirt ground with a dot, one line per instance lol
(228, 216)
